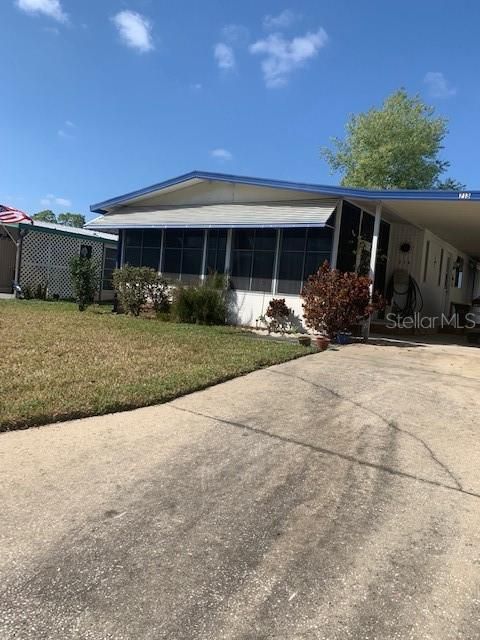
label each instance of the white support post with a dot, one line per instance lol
(276, 262)
(373, 261)
(373, 253)
(228, 252)
(204, 255)
(162, 250)
(336, 235)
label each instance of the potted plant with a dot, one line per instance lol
(322, 342)
(343, 337)
(333, 301)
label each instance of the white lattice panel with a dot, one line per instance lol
(46, 257)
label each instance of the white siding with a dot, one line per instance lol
(411, 261)
(220, 192)
(432, 289)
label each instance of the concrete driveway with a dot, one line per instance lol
(333, 497)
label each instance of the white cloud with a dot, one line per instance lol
(224, 56)
(282, 56)
(283, 20)
(51, 200)
(64, 202)
(235, 34)
(67, 130)
(135, 30)
(438, 85)
(221, 154)
(53, 30)
(50, 8)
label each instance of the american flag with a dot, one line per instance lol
(9, 215)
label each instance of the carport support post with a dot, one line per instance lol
(373, 262)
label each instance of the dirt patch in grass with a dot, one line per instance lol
(57, 363)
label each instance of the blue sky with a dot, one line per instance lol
(102, 97)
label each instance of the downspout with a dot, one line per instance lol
(18, 258)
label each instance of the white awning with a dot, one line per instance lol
(295, 213)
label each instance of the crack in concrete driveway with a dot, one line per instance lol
(333, 497)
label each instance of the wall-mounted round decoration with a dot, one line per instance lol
(405, 247)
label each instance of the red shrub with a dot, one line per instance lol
(334, 301)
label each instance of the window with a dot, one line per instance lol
(302, 252)
(142, 247)
(183, 254)
(216, 251)
(109, 264)
(348, 241)
(253, 257)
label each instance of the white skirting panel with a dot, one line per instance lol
(247, 306)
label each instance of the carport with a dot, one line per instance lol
(436, 241)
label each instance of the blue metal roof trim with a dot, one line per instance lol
(346, 192)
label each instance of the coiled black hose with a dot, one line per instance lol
(413, 298)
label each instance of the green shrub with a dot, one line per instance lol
(34, 293)
(85, 280)
(137, 287)
(41, 291)
(203, 304)
(27, 292)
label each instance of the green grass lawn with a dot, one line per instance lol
(57, 363)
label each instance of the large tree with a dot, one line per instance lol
(71, 219)
(46, 215)
(394, 147)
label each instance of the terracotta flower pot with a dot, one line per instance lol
(322, 342)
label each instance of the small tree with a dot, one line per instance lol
(46, 215)
(85, 280)
(334, 301)
(278, 314)
(71, 219)
(396, 146)
(138, 286)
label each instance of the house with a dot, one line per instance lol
(421, 248)
(37, 256)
